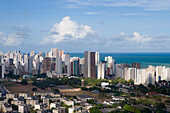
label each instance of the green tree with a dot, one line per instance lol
(160, 107)
(24, 82)
(34, 89)
(131, 81)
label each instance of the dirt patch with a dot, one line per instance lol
(76, 93)
(19, 88)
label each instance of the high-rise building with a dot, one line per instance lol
(109, 61)
(61, 52)
(141, 76)
(58, 66)
(67, 63)
(32, 53)
(26, 63)
(54, 52)
(119, 71)
(136, 65)
(150, 75)
(2, 70)
(47, 64)
(75, 65)
(89, 64)
(101, 70)
(130, 73)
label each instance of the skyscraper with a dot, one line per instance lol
(47, 64)
(58, 66)
(54, 52)
(61, 52)
(89, 64)
(67, 62)
(136, 65)
(2, 70)
(101, 70)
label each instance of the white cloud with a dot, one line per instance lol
(14, 39)
(68, 30)
(92, 13)
(127, 40)
(152, 5)
(10, 39)
(136, 37)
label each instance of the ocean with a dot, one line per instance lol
(155, 59)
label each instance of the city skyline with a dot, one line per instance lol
(77, 26)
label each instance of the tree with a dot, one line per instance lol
(34, 89)
(160, 107)
(24, 82)
(146, 110)
(132, 94)
(9, 100)
(56, 90)
(131, 81)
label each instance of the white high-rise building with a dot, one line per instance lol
(58, 66)
(141, 76)
(160, 73)
(130, 73)
(67, 62)
(150, 75)
(54, 52)
(97, 58)
(109, 61)
(119, 71)
(26, 63)
(167, 74)
(101, 70)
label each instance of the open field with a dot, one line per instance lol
(76, 93)
(19, 88)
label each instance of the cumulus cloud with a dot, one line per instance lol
(136, 37)
(68, 29)
(14, 39)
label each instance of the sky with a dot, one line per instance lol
(79, 25)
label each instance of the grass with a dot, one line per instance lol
(9, 85)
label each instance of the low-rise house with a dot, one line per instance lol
(104, 84)
(46, 93)
(25, 95)
(43, 111)
(18, 101)
(117, 98)
(46, 101)
(24, 108)
(75, 109)
(38, 106)
(106, 110)
(55, 105)
(59, 110)
(32, 102)
(10, 95)
(85, 97)
(6, 108)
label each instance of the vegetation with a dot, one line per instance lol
(56, 90)
(34, 89)
(91, 101)
(96, 109)
(52, 82)
(24, 82)
(131, 109)
(12, 76)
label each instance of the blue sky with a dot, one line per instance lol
(78, 25)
